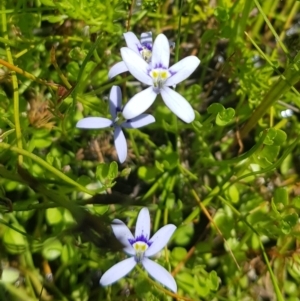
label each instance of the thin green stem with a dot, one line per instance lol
(273, 278)
(17, 292)
(80, 73)
(244, 18)
(266, 58)
(271, 27)
(271, 167)
(178, 32)
(14, 85)
(46, 165)
(289, 78)
(134, 146)
(27, 74)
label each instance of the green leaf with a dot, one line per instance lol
(288, 222)
(72, 71)
(221, 14)
(84, 180)
(202, 285)
(225, 222)
(41, 139)
(125, 172)
(296, 202)
(208, 36)
(178, 253)
(281, 197)
(78, 54)
(55, 19)
(113, 170)
(266, 156)
(215, 108)
(170, 160)
(14, 241)
(159, 166)
(185, 277)
(183, 235)
(50, 158)
(225, 117)
(54, 216)
(285, 227)
(280, 137)
(291, 219)
(68, 253)
(214, 280)
(274, 208)
(148, 173)
(52, 249)
(269, 140)
(170, 201)
(10, 275)
(142, 287)
(233, 194)
(102, 172)
(286, 165)
(48, 2)
(275, 137)
(100, 209)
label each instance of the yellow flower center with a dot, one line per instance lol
(140, 248)
(159, 77)
(146, 54)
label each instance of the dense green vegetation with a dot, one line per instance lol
(228, 180)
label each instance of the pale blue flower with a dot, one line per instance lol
(140, 247)
(143, 48)
(159, 76)
(115, 102)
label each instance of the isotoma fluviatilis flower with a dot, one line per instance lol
(117, 122)
(140, 247)
(159, 76)
(143, 48)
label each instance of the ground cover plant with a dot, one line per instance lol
(149, 150)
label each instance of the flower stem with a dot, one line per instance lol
(14, 84)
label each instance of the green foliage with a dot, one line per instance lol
(229, 180)
(223, 116)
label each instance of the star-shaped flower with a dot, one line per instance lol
(115, 100)
(141, 246)
(143, 48)
(159, 76)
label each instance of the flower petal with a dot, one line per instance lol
(139, 121)
(117, 271)
(139, 103)
(142, 227)
(160, 239)
(146, 38)
(93, 123)
(177, 104)
(182, 70)
(160, 274)
(123, 234)
(161, 52)
(115, 101)
(116, 69)
(132, 42)
(136, 65)
(120, 144)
